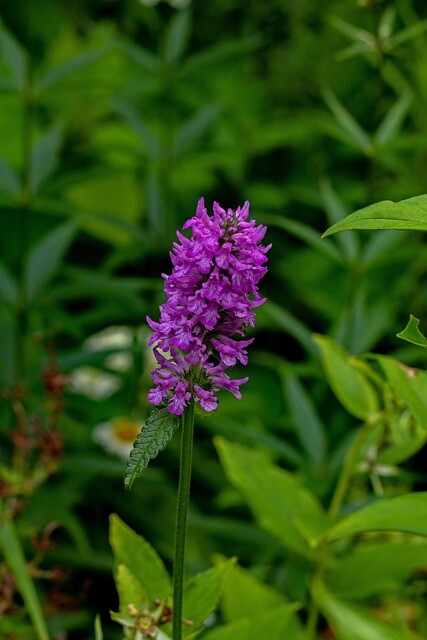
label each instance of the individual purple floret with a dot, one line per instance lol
(211, 296)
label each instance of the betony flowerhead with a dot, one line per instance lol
(211, 296)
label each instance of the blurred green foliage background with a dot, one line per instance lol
(115, 117)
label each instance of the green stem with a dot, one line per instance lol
(181, 517)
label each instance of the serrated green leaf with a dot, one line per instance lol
(14, 56)
(411, 333)
(407, 513)
(45, 258)
(202, 593)
(377, 568)
(406, 214)
(44, 157)
(128, 587)
(349, 384)
(271, 625)
(140, 558)
(158, 429)
(275, 496)
(410, 386)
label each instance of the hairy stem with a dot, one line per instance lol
(181, 517)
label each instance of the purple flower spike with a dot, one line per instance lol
(211, 296)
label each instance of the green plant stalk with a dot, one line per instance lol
(181, 517)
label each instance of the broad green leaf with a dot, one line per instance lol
(355, 623)
(153, 438)
(307, 423)
(68, 68)
(407, 513)
(194, 128)
(176, 36)
(410, 386)
(335, 212)
(391, 124)
(44, 259)
(276, 497)
(354, 132)
(8, 178)
(44, 157)
(406, 214)
(412, 333)
(140, 558)
(14, 56)
(271, 625)
(304, 233)
(377, 568)
(8, 286)
(202, 593)
(10, 546)
(349, 384)
(128, 587)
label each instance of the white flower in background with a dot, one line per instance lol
(93, 383)
(115, 337)
(117, 435)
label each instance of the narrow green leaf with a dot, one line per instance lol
(176, 36)
(272, 625)
(288, 323)
(153, 438)
(202, 593)
(44, 259)
(410, 32)
(353, 33)
(406, 214)
(335, 212)
(391, 124)
(9, 178)
(14, 56)
(354, 623)
(140, 558)
(308, 426)
(220, 52)
(354, 132)
(377, 568)
(303, 232)
(194, 128)
(410, 386)
(411, 333)
(69, 67)
(275, 496)
(348, 383)
(141, 56)
(407, 513)
(11, 548)
(98, 629)
(134, 119)
(8, 286)
(128, 587)
(44, 157)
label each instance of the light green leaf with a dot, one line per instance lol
(303, 232)
(10, 546)
(355, 623)
(377, 568)
(176, 37)
(140, 558)
(411, 333)
(8, 286)
(153, 438)
(410, 386)
(202, 593)
(44, 157)
(391, 124)
(128, 587)
(406, 214)
(308, 425)
(44, 259)
(271, 625)
(98, 629)
(9, 179)
(69, 67)
(407, 513)
(351, 387)
(276, 497)
(14, 56)
(352, 129)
